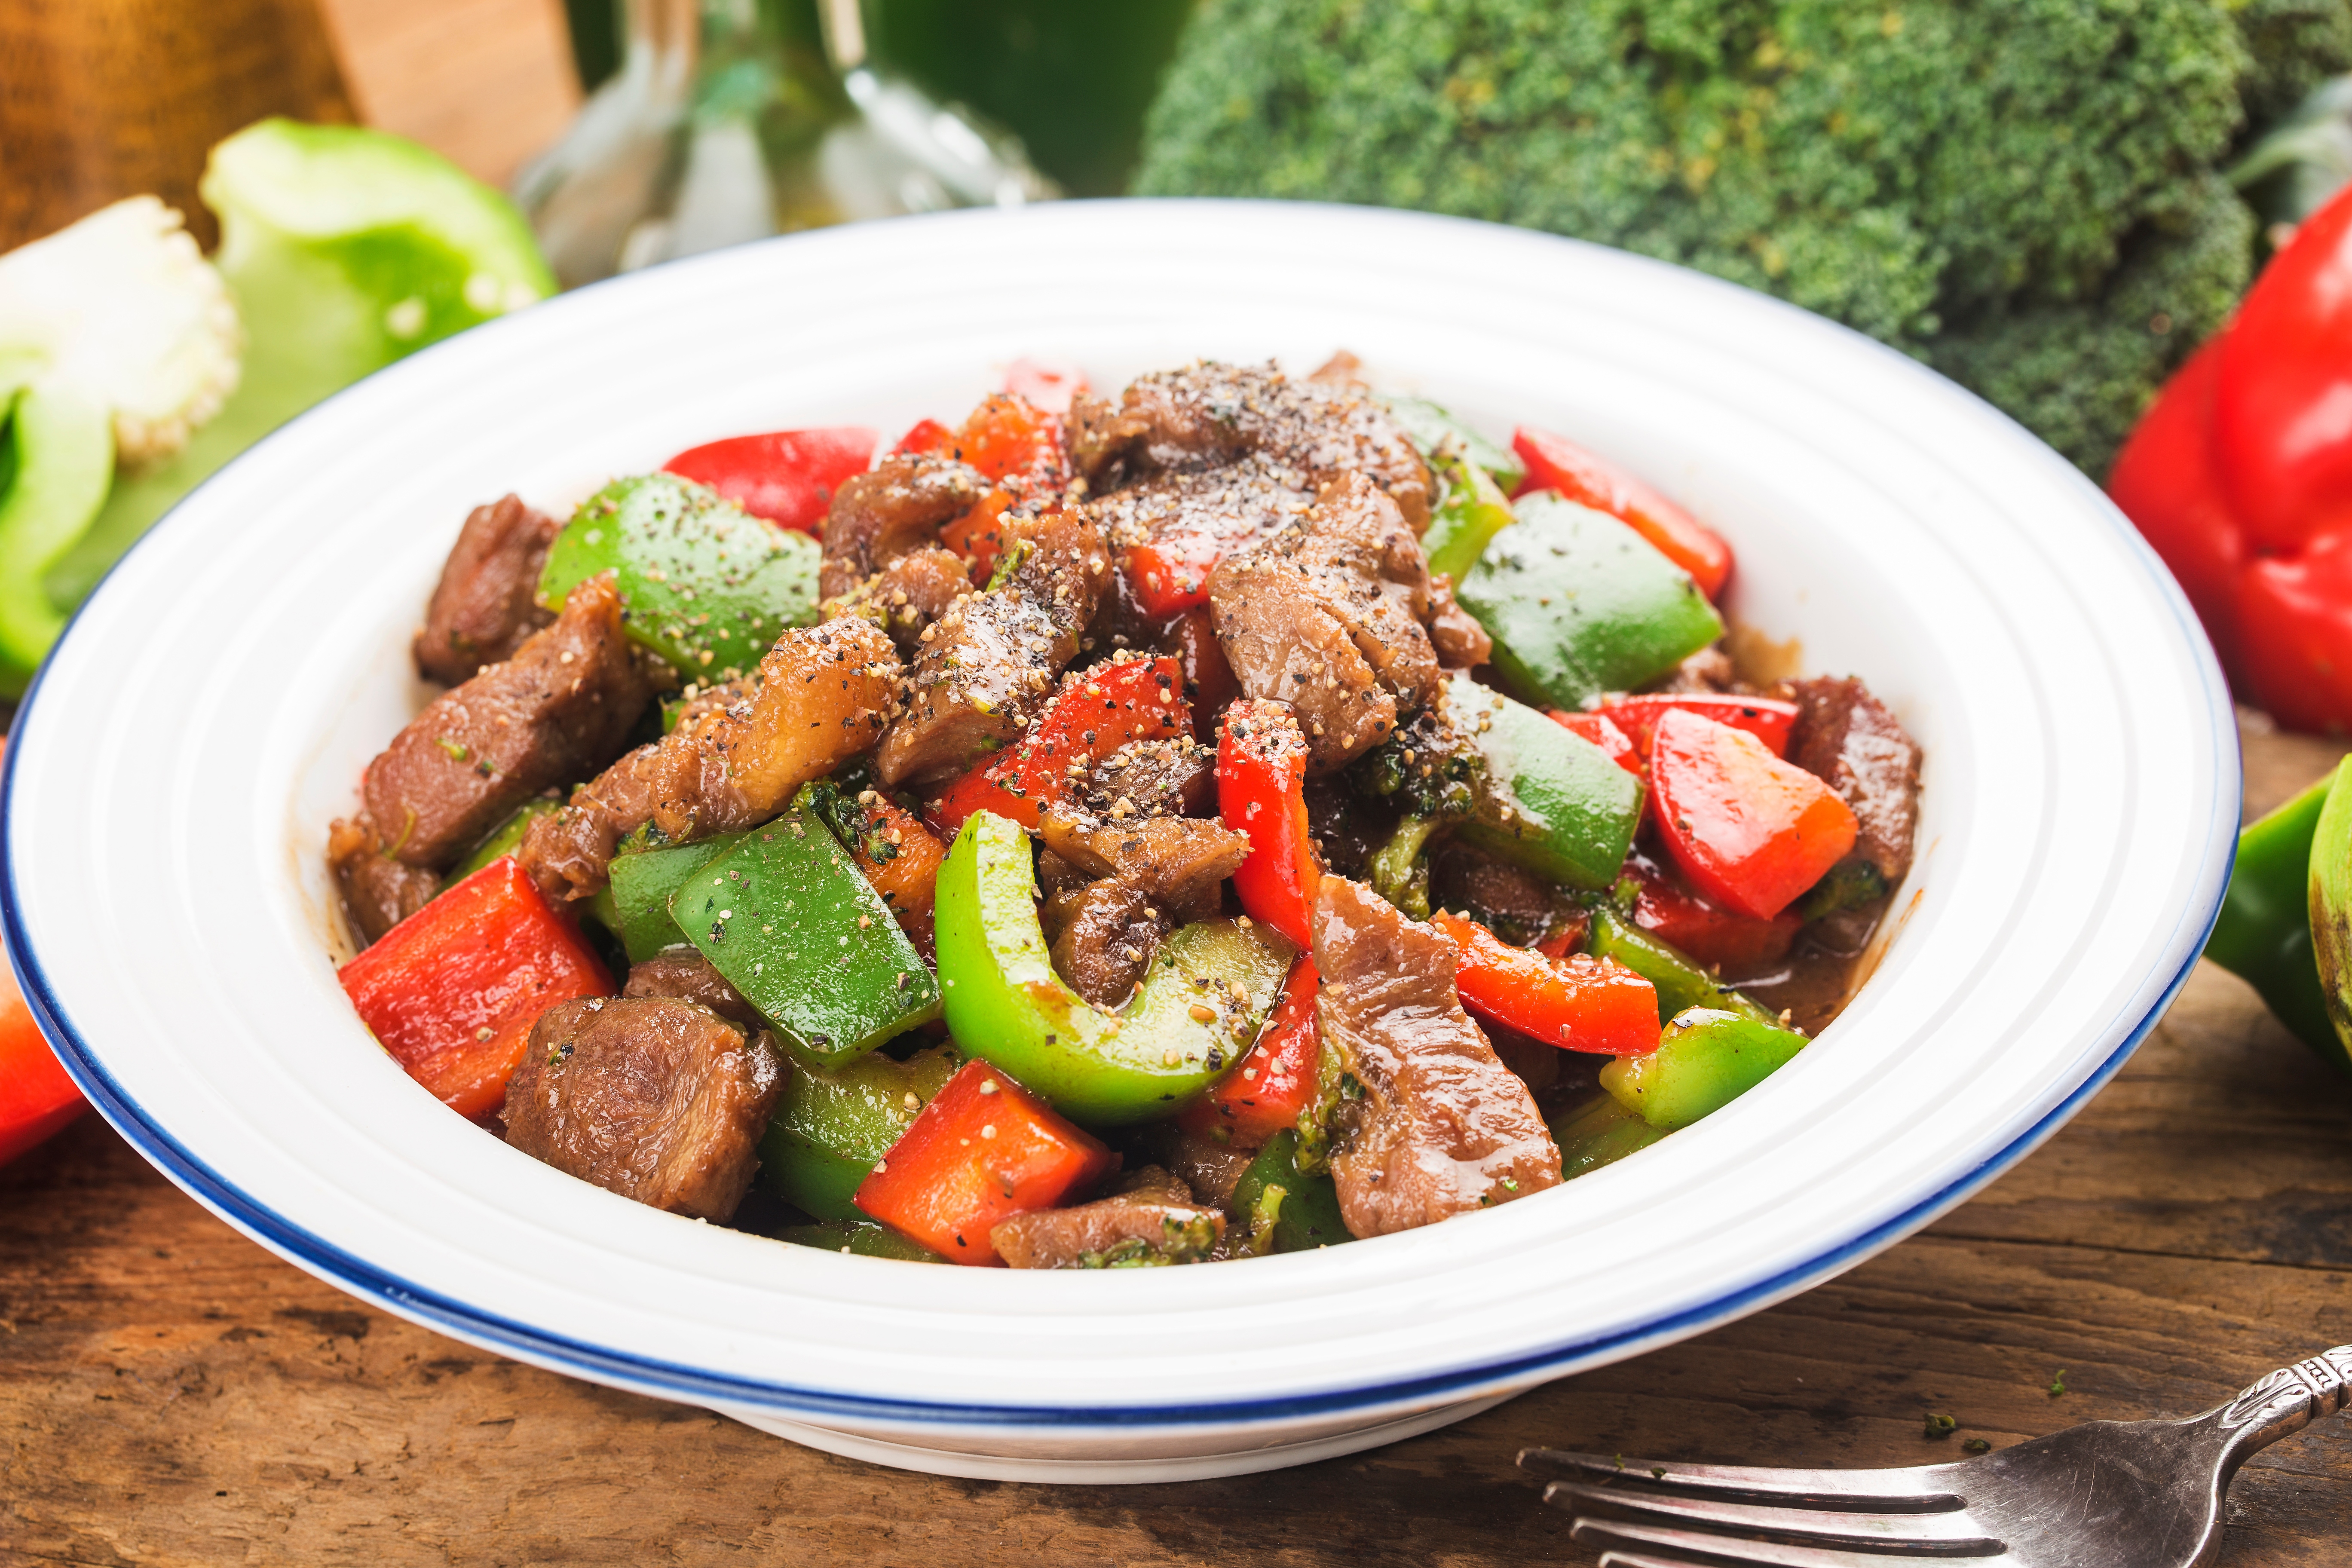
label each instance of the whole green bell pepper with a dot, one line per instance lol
(1210, 988)
(787, 917)
(1551, 800)
(2270, 913)
(1705, 1060)
(831, 1125)
(1580, 605)
(709, 586)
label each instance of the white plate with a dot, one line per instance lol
(212, 706)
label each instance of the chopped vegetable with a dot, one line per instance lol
(1471, 514)
(1170, 574)
(117, 340)
(1724, 939)
(832, 1125)
(1009, 440)
(787, 918)
(1094, 716)
(1768, 718)
(1750, 831)
(708, 586)
(1279, 1205)
(984, 1148)
(1596, 1130)
(1560, 466)
(1553, 802)
(1261, 795)
(1601, 731)
(1681, 984)
(1439, 435)
(1274, 1081)
(452, 991)
(1579, 605)
(1579, 1002)
(860, 1238)
(643, 883)
(502, 841)
(1705, 1061)
(785, 475)
(1198, 1010)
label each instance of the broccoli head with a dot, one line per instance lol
(2017, 192)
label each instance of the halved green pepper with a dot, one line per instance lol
(786, 915)
(1579, 604)
(1474, 509)
(709, 586)
(1705, 1060)
(1552, 801)
(643, 883)
(2269, 915)
(1280, 1207)
(1595, 1132)
(1681, 984)
(830, 1126)
(1197, 1012)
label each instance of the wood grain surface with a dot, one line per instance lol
(170, 1393)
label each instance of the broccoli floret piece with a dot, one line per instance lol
(2019, 192)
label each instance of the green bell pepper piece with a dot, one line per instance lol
(787, 917)
(1440, 435)
(1596, 1130)
(60, 459)
(1280, 1207)
(862, 1237)
(1473, 512)
(1680, 982)
(1553, 801)
(709, 586)
(1006, 1003)
(1706, 1058)
(1579, 604)
(830, 1126)
(644, 881)
(345, 249)
(503, 839)
(2329, 902)
(2269, 916)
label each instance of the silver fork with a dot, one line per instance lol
(2106, 1494)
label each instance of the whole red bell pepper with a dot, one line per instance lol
(1107, 707)
(2240, 475)
(786, 476)
(983, 1149)
(452, 991)
(1271, 1085)
(1750, 831)
(37, 1099)
(1557, 463)
(1262, 796)
(1579, 1002)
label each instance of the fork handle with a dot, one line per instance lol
(2282, 1402)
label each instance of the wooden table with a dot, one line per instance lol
(171, 1393)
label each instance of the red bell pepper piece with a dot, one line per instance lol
(1171, 574)
(1750, 831)
(37, 1099)
(1556, 463)
(1006, 436)
(1266, 1091)
(1050, 385)
(453, 990)
(786, 476)
(1579, 1002)
(978, 535)
(983, 1149)
(925, 436)
(1716, 936)
(1097, 712)
(1261, 795)
(1766, 718)
(1603, 732)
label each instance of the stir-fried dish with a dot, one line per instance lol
(1243, 814)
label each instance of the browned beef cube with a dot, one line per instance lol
(484, 604)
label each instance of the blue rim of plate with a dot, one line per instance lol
(354, 1276)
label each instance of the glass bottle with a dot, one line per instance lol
(735, 119)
